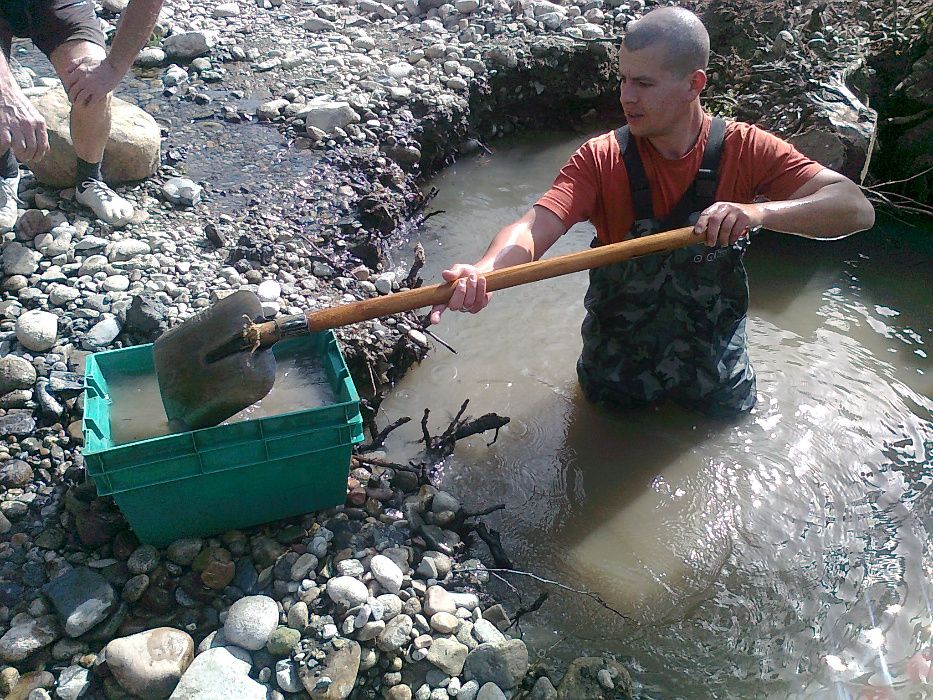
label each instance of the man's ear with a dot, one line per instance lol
(697, 82)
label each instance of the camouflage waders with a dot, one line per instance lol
(670, 325)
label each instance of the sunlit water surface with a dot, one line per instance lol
(786, 554)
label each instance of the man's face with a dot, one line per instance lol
(654, 99)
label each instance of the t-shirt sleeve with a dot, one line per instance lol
(779, 169)
(574, 193)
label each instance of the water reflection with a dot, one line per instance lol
(784, 555)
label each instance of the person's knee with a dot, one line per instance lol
(613, 395)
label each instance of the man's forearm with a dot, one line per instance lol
(513, 245)
(523, 241)
(133, 32)
(833, 211)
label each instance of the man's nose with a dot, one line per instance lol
(626, 93)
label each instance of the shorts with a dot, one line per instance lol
(50, 23)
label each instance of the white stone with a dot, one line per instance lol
(37, 330)
(72, 682)
(485, 631)
(188, 45)
(387, 573)
(19, 260)
(61, 295)
(270, 290)
(385, 282)
(286, 676)
(116, 283)
(250, 621)
(327, 115)
(400, 70)
(226, 9)
(347, 591)
(218, 675)
(149, 664)
(102, 334)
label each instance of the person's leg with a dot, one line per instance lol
(723, 386)
(9, 168)
(90, 130)
(634, 394)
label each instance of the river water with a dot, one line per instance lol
(786, 554)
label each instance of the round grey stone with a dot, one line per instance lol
(16, 373)
(250, 621)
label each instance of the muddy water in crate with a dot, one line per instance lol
(137, 413)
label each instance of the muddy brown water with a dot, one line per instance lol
(786, 554)
(136, 411)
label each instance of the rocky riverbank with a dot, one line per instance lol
(377, 598)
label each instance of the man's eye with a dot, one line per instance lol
(644, 85)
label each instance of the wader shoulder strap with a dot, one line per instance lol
(637, 181)
(702, 192)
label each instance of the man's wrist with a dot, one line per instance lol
(117, 66)
(759, 215)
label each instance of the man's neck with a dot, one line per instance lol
(683, 139)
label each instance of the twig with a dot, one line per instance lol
(524, 610)
(897, 182)
(558, 584)
(494, 542)
(426, 436)
(454, 425)
(412, 281)
(379, 440)
(373, 461)
(490, 421)
(438, 340)
(432, 213)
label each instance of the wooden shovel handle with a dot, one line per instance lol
(367, 309)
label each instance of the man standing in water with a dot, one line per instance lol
(69, 34)
(671, 325)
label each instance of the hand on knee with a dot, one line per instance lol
(90, 82)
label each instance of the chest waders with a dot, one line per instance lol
(671, 324)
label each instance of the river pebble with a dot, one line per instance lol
(250, 621)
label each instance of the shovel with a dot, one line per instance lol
(219, 361)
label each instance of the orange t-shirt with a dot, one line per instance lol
(594, 185)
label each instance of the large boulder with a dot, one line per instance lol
(149, 664)
(132, 151)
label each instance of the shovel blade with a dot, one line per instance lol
(199, 391)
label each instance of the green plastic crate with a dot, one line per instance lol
(230, 476)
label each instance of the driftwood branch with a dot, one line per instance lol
(494, 542)
(425, 323)
(425, 434)
(524, 610)
(380, 438)
(385, 464)
(490, 421)
(459, 428)
(413, 281)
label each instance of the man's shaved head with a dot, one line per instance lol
(683, 35)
